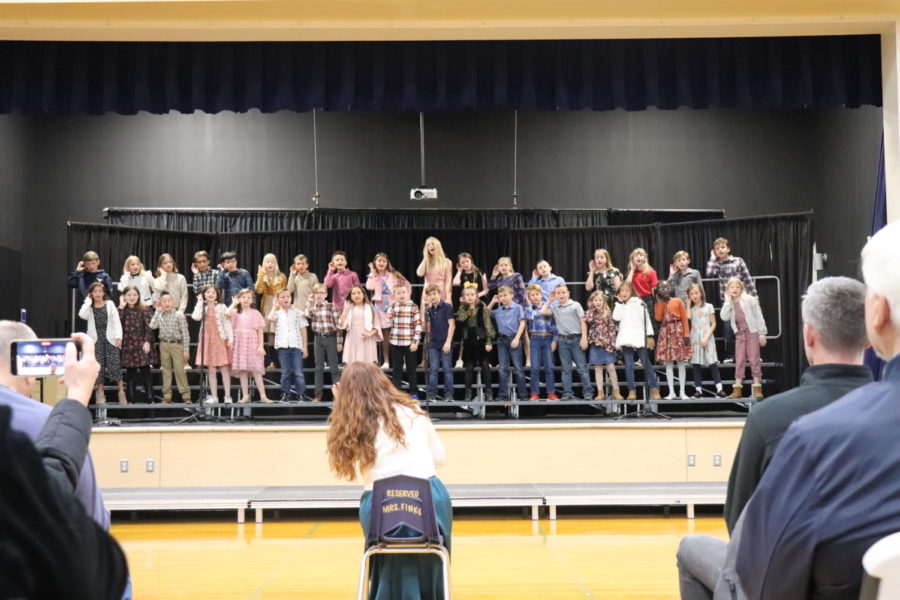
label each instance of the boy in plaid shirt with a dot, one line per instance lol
(406, 329)
(725, 266)
(323, 320)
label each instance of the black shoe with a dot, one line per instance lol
(721, 394)
(430, 398)
(698, 394)
(502, 398)
(285, 397)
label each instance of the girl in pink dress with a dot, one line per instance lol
(247, 350)
(360, 322)
(215, 341)
(381, 281)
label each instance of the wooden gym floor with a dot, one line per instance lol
(496, 557)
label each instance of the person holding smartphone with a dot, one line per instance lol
(60, 549)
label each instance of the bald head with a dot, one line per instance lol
(9, 331)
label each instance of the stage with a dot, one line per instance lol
(534, 465)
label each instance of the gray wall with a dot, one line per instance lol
(747, 162)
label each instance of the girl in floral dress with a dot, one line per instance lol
(602, 332)
(674, 343)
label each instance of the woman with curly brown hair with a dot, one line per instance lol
(377, 431)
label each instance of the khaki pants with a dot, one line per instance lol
(171, 358)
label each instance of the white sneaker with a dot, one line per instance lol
(459, 364)
(210, 400)
(385, 367)
(670, 397)
(227, 399)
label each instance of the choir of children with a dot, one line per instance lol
(616, 326)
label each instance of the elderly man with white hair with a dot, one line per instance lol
(832, 488)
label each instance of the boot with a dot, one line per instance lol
(632, 395)
(757, 391)
(654, 393)
(736, 391)
(616, 394)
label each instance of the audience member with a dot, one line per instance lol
(832, 487)
(834, 337)
(51, 547)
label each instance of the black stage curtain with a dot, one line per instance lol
(259, 220)
(158, 77)
(777, 245)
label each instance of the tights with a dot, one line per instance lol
(135, 376)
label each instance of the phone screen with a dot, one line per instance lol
(39, 358)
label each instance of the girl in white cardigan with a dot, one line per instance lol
(135, 275)
(635, 335)
(749, 327)
(105, 328)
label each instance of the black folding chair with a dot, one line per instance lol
(402, 504)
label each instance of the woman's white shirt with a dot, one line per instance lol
(422, 453)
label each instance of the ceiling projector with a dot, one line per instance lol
(423, 193)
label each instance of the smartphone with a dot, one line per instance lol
(40, 358)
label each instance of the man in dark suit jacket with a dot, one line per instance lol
(834, 338)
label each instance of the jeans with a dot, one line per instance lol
(440, 361)
(401, 355)
(570, 350)
(325, 346)
(505, 352)
(542, 356)
(291, 361)
(649, 373)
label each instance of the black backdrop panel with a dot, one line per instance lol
(778, 245)
(11, 299)
(225, 221)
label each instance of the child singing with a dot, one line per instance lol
(442, 324)
(674, 345)
(324, 321)
(743, 312)
(602, 332)
(216, 337)
(269, 281)
(381, 281)
(248, 349)
(174, 345)
(703, 344)
(477, 334)
(406, 331)
(137, 343)
(635, 335)
(543, 335)
(291, 343)
(105, 328)
(360, 325)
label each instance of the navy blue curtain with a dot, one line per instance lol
(879, 220)
(157, 77)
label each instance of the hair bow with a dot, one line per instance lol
(470, 284)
